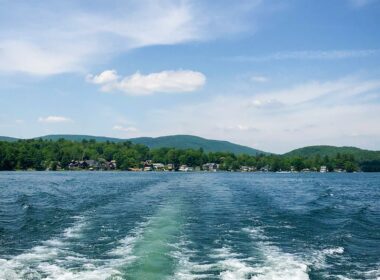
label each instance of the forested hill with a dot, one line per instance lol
(332, 151)
(78, 138)
(173, 141)
(194, 142)
(39, 154)
(8, 139)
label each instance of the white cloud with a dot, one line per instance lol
(107, 76)
(54, 119)
(259, 79)
(308, 92)
(277, 121)
(22, 56)
(139, 84)
(124, 128)
(64, 37)
(310, 55)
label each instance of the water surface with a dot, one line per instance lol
(120, 225)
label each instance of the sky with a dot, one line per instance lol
(270, 74)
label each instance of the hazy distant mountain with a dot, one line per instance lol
(332, 151)
(8, 139)
(195, 142)
(74, 137)
(173, 141)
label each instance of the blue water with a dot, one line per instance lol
(120, 225)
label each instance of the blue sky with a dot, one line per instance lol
(274, 75)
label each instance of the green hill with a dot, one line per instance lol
(194, 142)
(173, 141)
(74, 137)
(8, 139)
(332, 151)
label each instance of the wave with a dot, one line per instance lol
(226, 263)
(159, 248)
(49, 259)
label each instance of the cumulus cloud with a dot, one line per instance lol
(107, 76)
(140, 84)
(124, 128)
(57, 37)
(54, 119)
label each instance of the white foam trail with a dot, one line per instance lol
(123, 253)
(271, 263)
(279, 265)
(75, 231)
(318, 258)
(225, 261)
(276, 264)
(187, 269)
(231, 264)
(48, 260)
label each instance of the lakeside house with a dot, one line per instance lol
(158, 166)
(91, 164)
(247, 168)
(265, 168)
(185, 168)
(210, 166)
(323, 169)
(148, 165)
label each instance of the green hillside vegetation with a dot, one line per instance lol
(39, 154)
(332, 151)
(230, 156)
(194, 142)
(78, 138)
(8, 139)
(173, 141)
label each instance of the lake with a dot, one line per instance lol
(124, 225)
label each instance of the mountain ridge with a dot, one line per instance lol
(171, 141)
(331, 151)
(209, 145)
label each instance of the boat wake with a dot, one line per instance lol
(53, 259)
(159, 249)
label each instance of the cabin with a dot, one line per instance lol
(112, 165)
(92, 164)
(323, 169)
(158, 166)
(183, 168)
(148, 168)
(210, 167)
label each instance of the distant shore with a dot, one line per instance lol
(38, 154)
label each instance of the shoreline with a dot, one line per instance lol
(205, 171)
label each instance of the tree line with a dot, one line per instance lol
(38, 154)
